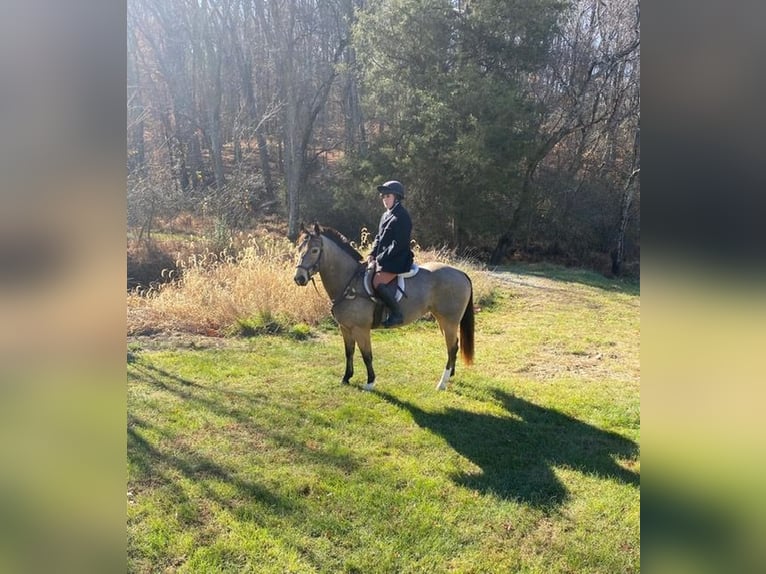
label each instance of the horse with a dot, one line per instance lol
(442, 290)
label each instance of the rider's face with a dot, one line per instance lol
(388, 200)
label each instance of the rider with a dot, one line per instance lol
(391, 253)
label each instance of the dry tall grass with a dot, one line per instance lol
(229, 292)
(218, 291)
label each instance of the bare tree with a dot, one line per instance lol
(309, 48)
(587, 96)
(210, 65)
(250, 38)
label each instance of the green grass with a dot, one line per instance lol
(253, 457)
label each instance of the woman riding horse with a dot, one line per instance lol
(391, 253)
(439, 289)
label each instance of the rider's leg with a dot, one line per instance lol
(387, 293)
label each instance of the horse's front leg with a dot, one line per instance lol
(362, 337)
(348, 343)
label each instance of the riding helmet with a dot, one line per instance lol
(392, 186)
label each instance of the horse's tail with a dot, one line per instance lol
(466, 329)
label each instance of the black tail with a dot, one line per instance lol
(466, 330)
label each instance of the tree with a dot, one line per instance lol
(514, 124)
(309, 44)
(444, 89)
(250, 40)
(587, 97)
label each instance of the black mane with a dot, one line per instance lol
(340, 240)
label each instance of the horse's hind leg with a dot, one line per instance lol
(348, 343)
(450, 338)
(362, 337)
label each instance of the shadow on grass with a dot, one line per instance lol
(162, 461)
(158, 467)
(518, 452)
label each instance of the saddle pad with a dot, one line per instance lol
(399, 282)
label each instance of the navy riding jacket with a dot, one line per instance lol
(391, 247)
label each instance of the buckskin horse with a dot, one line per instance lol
(444, 291)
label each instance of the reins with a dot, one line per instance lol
(346, 294)
(314, 268)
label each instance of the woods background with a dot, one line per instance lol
(514, 125)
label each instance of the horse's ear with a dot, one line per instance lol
(303, 228)
(317, 229)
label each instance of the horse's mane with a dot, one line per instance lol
(341, 241)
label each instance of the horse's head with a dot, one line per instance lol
(309, 254)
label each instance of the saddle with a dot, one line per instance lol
(399, 282)
(380, 313)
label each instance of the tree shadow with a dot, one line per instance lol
(161, 462)
(517, 452)
(157, 466)
(243, 408)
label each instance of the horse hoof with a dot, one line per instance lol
(442, 384)
(369, 386)
(345, 382)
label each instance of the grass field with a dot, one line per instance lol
(247, 455)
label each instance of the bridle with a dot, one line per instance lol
(314, 267)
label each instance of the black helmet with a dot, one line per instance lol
(392, 186)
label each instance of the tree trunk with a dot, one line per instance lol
(254, 120)
(294, 160)
(300, 116)
(503, 246)
(627, 201)
(136, 114)
(354, 123)
(216, 147)
(507, 239)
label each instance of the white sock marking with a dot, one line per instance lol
(443, 381)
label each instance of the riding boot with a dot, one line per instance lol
(387, 294)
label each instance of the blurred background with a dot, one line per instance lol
(62, 269)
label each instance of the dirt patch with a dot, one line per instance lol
(162, 341)
(553, 363)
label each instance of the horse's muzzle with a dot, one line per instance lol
(300, 278)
